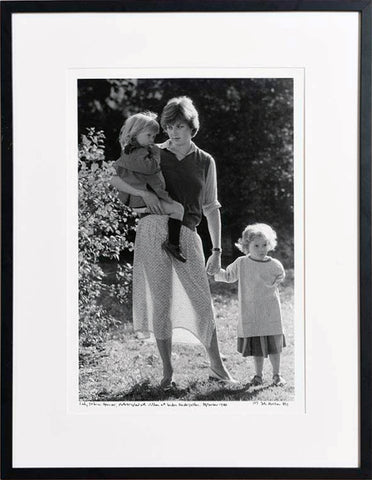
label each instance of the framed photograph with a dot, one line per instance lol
(186, 239)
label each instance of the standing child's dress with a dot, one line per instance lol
(260, 330)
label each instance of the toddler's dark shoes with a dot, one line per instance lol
(174, 250)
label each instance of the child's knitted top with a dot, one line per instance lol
(259, 302)
(140, 168)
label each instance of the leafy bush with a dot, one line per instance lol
(104, 226)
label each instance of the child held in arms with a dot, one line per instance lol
(139, 166)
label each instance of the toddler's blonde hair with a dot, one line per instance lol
(135, 124)
(253, 231)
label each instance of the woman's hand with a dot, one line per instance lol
(153, 203)
(214, 263)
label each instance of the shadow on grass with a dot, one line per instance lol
(144, 391)
(226, 394)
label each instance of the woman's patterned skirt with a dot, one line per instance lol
(167, 293)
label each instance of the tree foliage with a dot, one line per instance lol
(246, 124)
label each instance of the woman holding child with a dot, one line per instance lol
(170, 285)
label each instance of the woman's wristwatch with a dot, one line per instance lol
(217, 250)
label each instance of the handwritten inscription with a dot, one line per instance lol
(266, 403)
(161, 404)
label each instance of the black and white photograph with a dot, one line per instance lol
(186, 239)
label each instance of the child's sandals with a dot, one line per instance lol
(278, 381)
(256, 381)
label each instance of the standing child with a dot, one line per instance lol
(139, 166)
(260, 332)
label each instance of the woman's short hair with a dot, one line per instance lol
(180, 109)
(135, 124)
(253, 231)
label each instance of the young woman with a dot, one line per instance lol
(169, 294)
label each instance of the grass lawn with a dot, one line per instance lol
(126, 368)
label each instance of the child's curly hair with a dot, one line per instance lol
(135, 124)
(253, 231)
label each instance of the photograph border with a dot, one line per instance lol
(8, 8)
(290, 403)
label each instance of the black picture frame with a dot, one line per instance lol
(364, 8)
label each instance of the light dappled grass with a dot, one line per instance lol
(126, 368)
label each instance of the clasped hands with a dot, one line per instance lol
(214, 263)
